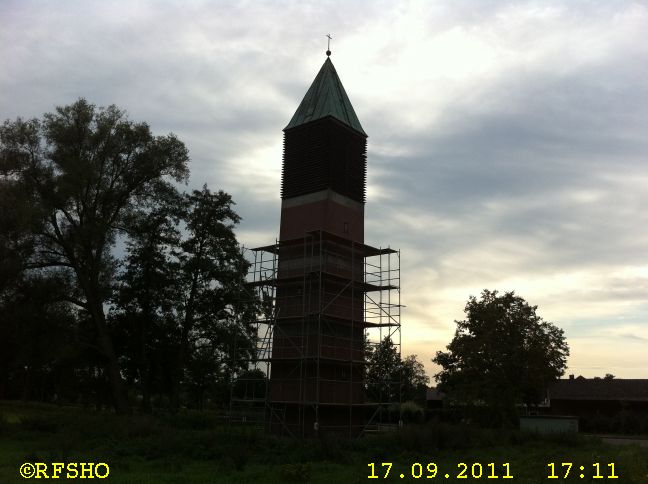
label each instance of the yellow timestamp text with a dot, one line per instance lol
(565, 470)
(431, 470)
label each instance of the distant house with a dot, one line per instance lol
(592, 396)
(433, 398)
(583, 396)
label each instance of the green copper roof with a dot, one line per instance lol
(326, 97)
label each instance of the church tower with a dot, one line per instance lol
(322, 277)
(325, 165)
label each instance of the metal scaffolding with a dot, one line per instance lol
(326, 302)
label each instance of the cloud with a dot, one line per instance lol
(507, 140)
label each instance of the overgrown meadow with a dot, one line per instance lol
(202, 448)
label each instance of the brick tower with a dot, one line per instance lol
(319, 282)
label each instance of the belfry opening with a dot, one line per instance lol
(327, 296)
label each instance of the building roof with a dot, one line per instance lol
(326, 97)
(434, 394)
(599, 389)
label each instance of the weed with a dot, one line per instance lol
(296, 472)
(39, 424)
(4, 424)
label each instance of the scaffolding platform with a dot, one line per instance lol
(326, 301)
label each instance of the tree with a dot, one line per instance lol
(179, 306)
(86, 170)
(502, 354)
(37, 334)
(414, 380)
(144, 306)
(18, 214)
(382, 380)
(212, 318)
(391, 379)
(607, 377)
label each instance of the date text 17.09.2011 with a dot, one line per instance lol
(491, 470)
(431, 470)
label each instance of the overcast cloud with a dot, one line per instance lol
(508, 141)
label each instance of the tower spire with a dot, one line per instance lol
(326, 97)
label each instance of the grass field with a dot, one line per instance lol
(197, 448)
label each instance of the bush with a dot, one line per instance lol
(4, 424)
(39, 424)
(411, 412)
(296, 472)
(191, 420)
(435, 436)
(333, 448)
(624, 422)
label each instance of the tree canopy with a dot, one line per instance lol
(502, 354)
(160, 317)
(392, 379)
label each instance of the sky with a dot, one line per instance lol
(507, 149)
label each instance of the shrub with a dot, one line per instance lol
(624, 422)
(4, 424)
(296, 472)
(39, 424)
(333, 447)
(191, 420)
(411, 412)
(239, 455)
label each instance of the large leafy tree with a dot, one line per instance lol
(180, 305)
(212, 316)
(145, 304)
(383, 377)
(414, 380)
(18, 211)
(390, 378)
(86, 170)
(502, 354)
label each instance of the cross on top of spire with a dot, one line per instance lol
(328, 46)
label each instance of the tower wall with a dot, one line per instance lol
(318, 340)
(322, 210)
